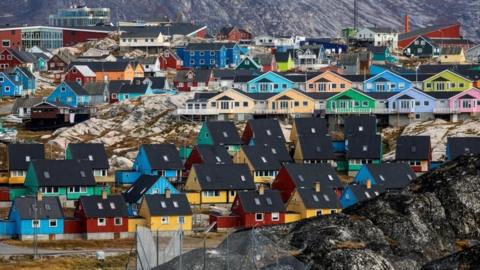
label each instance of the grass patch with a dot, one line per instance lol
(74, 244)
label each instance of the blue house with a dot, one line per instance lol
(329, 46)
(126, 177)
(70, 93)
(353, 194)
(203, 55)
(9, 87)
(269, 82)
(26, 78)
(233, 54)
(160, 160)
(135, 90)
(146, 184)
(386, 81)
(393, 176)
(411, 100)
(37, 215)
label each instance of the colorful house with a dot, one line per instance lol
(259, 208)
(462, 146)
(166, 212)
(103, 217)
(267, 62)
(381, 54)
(269, 82)
(37, 215)
(159, 159)
(393, 176)
(10, 58)
(220, 133)
(350, 101)
(360, 125)
(19, 157)
(26, 79)
(314, 149)
(466, 102)
(203, 55)
(447, 80)
(262, 163)
(386, 81)
(328, 81)
(354, 194)
(285, 61)
(193, 80)
(422, 47)
(291, 102)
(248, 64)
(314, 201)
(452, 55)
(263, 132)
(233, 33)
(93, 153)
(113, 71)
(411, 105)
(71, 94)
(415, 151)
(361, 150)
(81, 74)
(308, 126)
(208, 154)
(217, 184)
(9, 87)
(133, 91)
(169, 59)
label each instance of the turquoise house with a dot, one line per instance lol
(70, 93)
(26, 78)
(386, 81)
(159, 160)
(133, 91)
(222, 133)
(269, 82)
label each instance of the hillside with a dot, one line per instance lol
(433, 217)
(303, 17)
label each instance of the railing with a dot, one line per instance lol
(357, 110)
(443, 110)
(184, 111)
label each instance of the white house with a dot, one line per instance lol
(473, 54)
(378, 36)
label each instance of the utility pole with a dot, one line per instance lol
(355, 14)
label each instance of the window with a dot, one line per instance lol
(212, 53)
(165, 158)
(164, 220)
(101, 222)
(100, 205)
(342, 85)
(202, 62)
(364, 103)
(426, 103)
(212, 62)
(192, 53)
(118, 221)
(181, 220)
(7, 88)
(259, 217)
(257, 201)
(46, 174)
(245, 104)
(35, 223)
(275, 216)
(52, 223)
(112, 205)
(175, 204)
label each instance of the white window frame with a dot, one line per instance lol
(101, 222)
(181, 220)
(50, 223)
(275, 216)
(164, 220)
(257, 219)
(36, 223)
(116, 223)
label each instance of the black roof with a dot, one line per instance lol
(261, 158)
(413, 148)
(163, 156)
(63, 173)
(316, 147)
(282, 56)
(77, 88)
(20, 154)
(214, 154)
(116, 86)
(392, 175)
(223, 132)
(380, 95)
(323, 199)
(224, 177)
(98, 207)
(102, 65)
(442, 94)
(134, 88)
(254, 202)
(47, 207)
(160, 205)
(362, 193)
(205, 46)
(306, 175)
(310, 126)
(266, 130)
(279, 150)
(92, 152)
(463, 146)
(364, 147)
(360, 124)
(200, 75)
(135, 192)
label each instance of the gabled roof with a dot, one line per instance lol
(463, 146)
(116, 86)
(364, 147)
(25, 102)
(362, 193)
(306, 175)
(264, 59)
(204, 46)
(466, 94)
(96, 88)
(323, 199)
(22, 56)
(214, 154)
(94, 153)
(254, 202)
(103, 66)
(160, 205)
(413, 148)
(199, 75)
(224, 177)
(316, 147)
(367, 95)
(163, 156)
(279, 150)
(47, 208)
(25, 71)
(20, 155)
(261, 158)
(134, 88)
(282, 56)
(223, 132)
(424, 31)
(443, 94)
(439, 75)
(405, 94)
(380, 77)
(77, 88)
(275, 74)
(136, 191)
(392, 175)
(360, 124)
(266, 130)
(63, 173)
(98, 207)
(84, 70)
(310, 126)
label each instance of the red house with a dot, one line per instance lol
(169, 59)
(267, 62)
(445, 31)
(193, 80)
(10, 58)
(81, 74)
(208, 154)
(234, 34)
(103, 217)
(259, 208)
(59, 62)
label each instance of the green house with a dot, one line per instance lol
(350, 101)
(68, 179)
(285, 61)
(447, 80)
(248, 64)
(220, 133)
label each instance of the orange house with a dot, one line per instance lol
(328, 81)
(115, 71)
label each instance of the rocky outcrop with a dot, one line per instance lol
(466, 259)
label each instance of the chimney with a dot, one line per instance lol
(369, 184)
(104, 194)
(167, 193)
(261, 190)
(317, 186)
(407, 23)
(39, 196)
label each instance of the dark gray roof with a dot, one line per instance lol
(316, 147)
(204, 46)
(214, 154)
(282, 56)
(20, 154)
(77, 88)
(103, 65)
(306, 175)
(451, 50)
(63, 173)
(96, 88)
(460, 146)
(163, 156)
(264, 59)
(357, 78)
(134, 88)
(116, 86)
(310, 126)
(413, 148)
(25, 71)
(392, 175)
(254, 202)
(97, 207)
(224, 177)
(360, 124)
(157, 82)
(261, 158)
(364, 147)
(362, 193)
(23, 56)
(442, 94)
(258, 96)
(321, 95)
(25, 102)
(223, 133)
(324, 199)
(136, 191)
(380, 95)
(266, 130)
(279, 150)
(245, 78)
(47, 208)
(200, 75)
(94, 153)
(160, 205)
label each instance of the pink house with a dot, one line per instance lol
(466, 101)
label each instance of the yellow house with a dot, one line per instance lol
(291, 102)
(312, 202)
(262, 163)
(232, 102)
(307, 127)
(328, 81)
(217, 183)
(452, 55)
(166, 212)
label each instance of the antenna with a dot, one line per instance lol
(355, 14)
